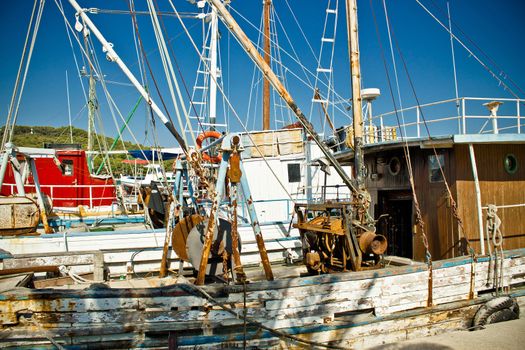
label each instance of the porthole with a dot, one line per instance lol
(511, 163)
(394, 166)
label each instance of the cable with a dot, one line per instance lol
(502, 72)
(9, 126)
(501, 82)
(233, 109)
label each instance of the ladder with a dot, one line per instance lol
(198, 108)
(324, 78)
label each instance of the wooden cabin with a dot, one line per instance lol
(499, 160)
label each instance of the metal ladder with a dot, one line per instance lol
(324, 79)
(198, 109)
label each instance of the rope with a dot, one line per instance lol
(453, 62)
(61, 8)
(188, 122)
(449, 192)
(78, 279)
(258, 324)
(493, 228)
(500, 81)
(17, 81)
(230, 106)
(9, 126)
(419, 219)
(97, 73)
(297, 61)
(395, 68)
(46, 333)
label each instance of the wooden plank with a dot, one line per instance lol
(54, 260)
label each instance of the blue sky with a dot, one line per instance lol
(496, 27)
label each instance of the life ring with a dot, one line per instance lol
(496, 310)
(206, 135)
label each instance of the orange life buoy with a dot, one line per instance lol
(206, 135)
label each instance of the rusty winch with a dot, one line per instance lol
(334, 239)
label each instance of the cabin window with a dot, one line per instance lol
(434, 164)
(294, 172)
(394, 166)
(511, 163)
(67, 167)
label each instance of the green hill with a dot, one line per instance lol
(37, 136)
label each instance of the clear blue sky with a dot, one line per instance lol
(496, 27)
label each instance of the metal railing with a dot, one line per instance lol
(465, 115)
(52, 189)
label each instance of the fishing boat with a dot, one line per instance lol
(345, 288)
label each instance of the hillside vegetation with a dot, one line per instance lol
(37, 136)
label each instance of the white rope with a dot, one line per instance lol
(171, 78)
(86, 55)
(301, 30)
(282, 69)
(11, 114)
(59, 4)
(254, 74)
(66, 271)
(17, 81)
(505, 206)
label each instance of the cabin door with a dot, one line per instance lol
(396, 226)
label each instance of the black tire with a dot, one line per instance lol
(496, 310)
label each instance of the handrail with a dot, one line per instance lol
(442, 125)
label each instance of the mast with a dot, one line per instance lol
(92, 105)
(266, 70)
(92, 110)
(266, 87)
(357, 110)
(213, 69)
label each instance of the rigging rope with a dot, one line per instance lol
(454, 64)
(447, 186)
(168, 69)
(309, 85)
(487, 68)
(186, 113)
(502, 72)
(394, 65)
(9, 126)
(230, 106)
(406, 150)
(86, 55)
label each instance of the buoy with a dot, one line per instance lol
(206, 135)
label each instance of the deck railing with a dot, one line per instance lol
(52, 189)
(465, 115)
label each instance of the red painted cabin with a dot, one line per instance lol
(70, 186)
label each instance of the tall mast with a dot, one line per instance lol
(266, 87)
(213, 68)
(92, 107)
(266, 70)
(357, 110)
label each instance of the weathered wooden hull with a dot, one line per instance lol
(351, 309)
(142, 247)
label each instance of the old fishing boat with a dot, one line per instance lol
(346, 290)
